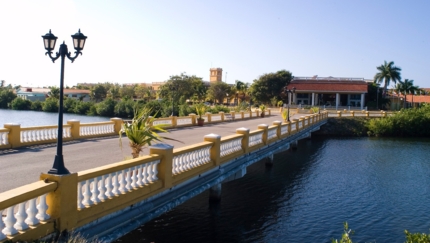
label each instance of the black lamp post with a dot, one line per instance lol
(49, 40)
(289, 91)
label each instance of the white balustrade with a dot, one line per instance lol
(99, 189)
(299, 125)
(19, 217)
(294, 126)
(246, 115)
(230, 146)
(162, 122)
(4, 137)
(272, 133)
(184, 121)
(284, 130)
(96, 129)
(190, 160)
(43, 134)
(216, 117)
(255, 139)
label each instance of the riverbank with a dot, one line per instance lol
(344, 127)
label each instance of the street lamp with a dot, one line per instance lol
(289, 91)
(228, 101)
(49, 40)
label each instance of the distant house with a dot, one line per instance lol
(41, 94)
(328, 91)
(398, 101)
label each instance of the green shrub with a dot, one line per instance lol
(217, 108)
(36, 105)
(50, 105)
(83, 108)
(20, 104)
(106, 107)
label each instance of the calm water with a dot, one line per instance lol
(39, 118)
(380, 186)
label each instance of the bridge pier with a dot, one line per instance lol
(294, 145)
(269, 160)
(215, 193)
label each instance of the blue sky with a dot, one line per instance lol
(147, 41)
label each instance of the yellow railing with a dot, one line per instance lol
(14, 136)
(68, 202)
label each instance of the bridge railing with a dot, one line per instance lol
(84, 198)
(25, 213)
(14, 136)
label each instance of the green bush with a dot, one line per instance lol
(20, 104)
(125, 108)
(36, 105)
(407, 122)
(217, 108)
(69, 105)
(50, 105)
(83, 108)
(106, 108)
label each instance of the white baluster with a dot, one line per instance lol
(115, 183)
(2, 236)
(133, 173)
(87, 193)
(122, 182)
(139, 175)
(145, 174)
(95, 191)
(80, 196)
(31, 212)
(102, 188)
(109, 184)
(20, 216)
(9, 221)
(149, 172)
(175, 165)
(154, 171)
(128, 179)
(42, 207)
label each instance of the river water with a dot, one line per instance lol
(379, 186)
(39, 118)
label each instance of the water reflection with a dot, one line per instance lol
(380, 186)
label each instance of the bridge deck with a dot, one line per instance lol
(24, 165)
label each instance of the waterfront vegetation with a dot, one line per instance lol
(406, 122)
(410, 237)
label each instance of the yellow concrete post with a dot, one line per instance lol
(75, 128)
(193, 118)
(215, 151)
(352, 113)
(118, 124)
(289, 127)
(384, 114)
(245, 140)
(222, 115)
(242, 114)
(278, 129)
(258, 113)
(367, 114)
(269, 111)
(14, 134)
(209, 115)
(232, 114)
(339, 113)
(264, 127)
(174, 121)
(63, 201)
(166, 162)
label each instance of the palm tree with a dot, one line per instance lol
(387, 73)
(141, 131)
(406, 87)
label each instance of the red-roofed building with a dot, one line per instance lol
(329, 91)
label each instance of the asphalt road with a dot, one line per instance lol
(24, 165)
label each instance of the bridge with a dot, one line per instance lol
(110, 200)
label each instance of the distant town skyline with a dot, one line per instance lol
(148, 41)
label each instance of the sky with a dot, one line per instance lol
(131, 41)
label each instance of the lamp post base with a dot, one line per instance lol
(58, 168)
